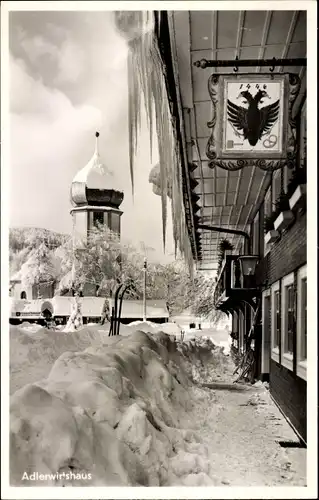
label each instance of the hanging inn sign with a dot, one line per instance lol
(252, 121)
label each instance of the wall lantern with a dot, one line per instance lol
(248, 265)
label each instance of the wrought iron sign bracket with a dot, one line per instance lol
(238, 298)
(236, 66)
(250, 63)
(228, 231)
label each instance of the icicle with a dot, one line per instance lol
(130, 118)
(146, 76)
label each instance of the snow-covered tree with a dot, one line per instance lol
(202, 298)
(32, 237)
(104, 262)
(17, 259)
(94, 263)
(23, 242)
(100, 263)
(75, 321)
(171, 282)
(39, 267)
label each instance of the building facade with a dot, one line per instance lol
(245, 208)
(18, 290)
(58, 308)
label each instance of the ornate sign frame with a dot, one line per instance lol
(268, 160)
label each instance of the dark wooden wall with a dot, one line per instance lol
(287, 255)
(290, 393)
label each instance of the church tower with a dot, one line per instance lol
(95, 198)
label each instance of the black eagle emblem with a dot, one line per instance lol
(253, 122)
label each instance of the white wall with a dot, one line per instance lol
(17, 288)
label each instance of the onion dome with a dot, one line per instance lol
(95, 184)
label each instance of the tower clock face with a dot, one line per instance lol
(253, 116)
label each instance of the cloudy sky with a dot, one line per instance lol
(68, 79)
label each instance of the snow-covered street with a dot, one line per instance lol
(241, 427)
(144, 409)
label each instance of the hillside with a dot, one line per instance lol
(26, 237)
(23, 240)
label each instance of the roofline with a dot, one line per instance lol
(172, 79)
(167, 46)
(101, 208)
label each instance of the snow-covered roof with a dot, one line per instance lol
(66, 281)
(61, 306)
(96, 175)
(134, 309)
(16, 276)
(91, 307)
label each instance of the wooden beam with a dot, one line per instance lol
(250, 63)
(240, 26)
(289, 38)
(176, 74)
(214, 55)
(264, 37)
(251, 180)
(253, 205)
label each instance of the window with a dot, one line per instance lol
(267, 212)
(266, 331)
(275, 321)
(288, 321)
(115, 223)
(98, 218)
(302, 323)
(252, 234)
(289, 347)
(304, 318)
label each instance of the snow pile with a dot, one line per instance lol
(219, 337)
(142, 324)
(170, 329)
(143, 409)
(150, 326)
(226, 346)
(114, 411)
(30, 327)
(205, 360)
(34, 349)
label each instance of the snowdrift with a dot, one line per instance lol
(34, 349)
(111, 415)
(149, 326)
